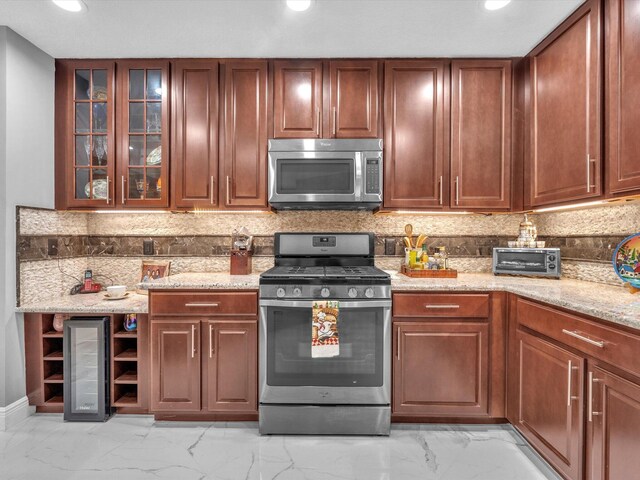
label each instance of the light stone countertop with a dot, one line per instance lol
(611, 303)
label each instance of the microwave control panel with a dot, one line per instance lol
(372, 180)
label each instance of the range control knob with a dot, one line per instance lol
(297, 292)
(280, 292)
(353, 293)
(368, 292)
(325, 292)
(552, 258)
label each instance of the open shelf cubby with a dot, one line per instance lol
(124, 365)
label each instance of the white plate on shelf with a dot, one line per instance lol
(99, 189)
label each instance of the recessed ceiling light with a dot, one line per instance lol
(299, 5)
(71, 5)
(496, 4)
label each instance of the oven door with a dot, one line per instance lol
(300, 177)
(361, 374)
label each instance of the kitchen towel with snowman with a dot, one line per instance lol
(324, 331)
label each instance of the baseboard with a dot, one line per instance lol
(13, 414)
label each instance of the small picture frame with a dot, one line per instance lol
(154, 270)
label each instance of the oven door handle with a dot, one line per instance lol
(308, 303)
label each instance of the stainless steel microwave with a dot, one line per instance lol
(543, 262)
(332, 174)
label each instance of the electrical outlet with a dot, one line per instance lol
(52, 247)
(389, 246)
(148, 247)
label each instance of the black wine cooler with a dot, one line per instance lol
(86, 369)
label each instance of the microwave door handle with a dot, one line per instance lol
(359, 161)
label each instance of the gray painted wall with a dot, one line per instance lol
(29, 178)
(3, 201)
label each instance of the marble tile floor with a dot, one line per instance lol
(136, 447)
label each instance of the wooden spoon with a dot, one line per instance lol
(408, 229)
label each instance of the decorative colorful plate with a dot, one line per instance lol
(626, 260)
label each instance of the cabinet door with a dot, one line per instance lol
(143, 133)
(441, 369)
(195, 134)
(244, 166)
(550, 402)
(175, 366)
(481, 134)
(565, 125)
(354, 99)
(414, 134)
(613, 423)
(85, 134)
(297, 103)
(623, 95)
(231, 365)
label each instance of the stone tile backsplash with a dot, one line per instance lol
(111, 243)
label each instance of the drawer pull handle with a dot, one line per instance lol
(599, 344)
(569, 383)
(193, 341)
(441, 306)
(591, 381)
(201, 305)
(211, 351)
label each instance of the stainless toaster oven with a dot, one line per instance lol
(543, 262)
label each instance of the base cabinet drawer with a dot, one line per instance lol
(461, 305)
(203, 303)
(440, 369)
(609, 344)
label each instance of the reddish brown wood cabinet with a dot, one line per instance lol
(204, 350)
(175, 365)
(354, 98)
(613, 423)
(297, 99)
(244, 137)
(448, 356)
(194, 168)
(563, 161)
(441, 369)
(334, 99)
(550, 413)
(415, 141)
(143, 133)
(231, 365)
(622, 30)
(85, 125)
(481, 134)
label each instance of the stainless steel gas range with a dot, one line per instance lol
(348, 391)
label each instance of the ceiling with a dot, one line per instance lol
(267, 28)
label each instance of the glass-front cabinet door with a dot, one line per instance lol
(143, 134)
(89, 123)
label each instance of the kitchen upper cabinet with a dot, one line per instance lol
(623, 96)
(231, 365)
(143, 133)
(613, 423)
(550, 402)
(195, 134)
(353, 99)
(175, 365)
(415, 133)
(297, 99)
(441, 369)
(85, 134)
(244, 135)
(563, 162)
(350, 108)
(481, 134)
